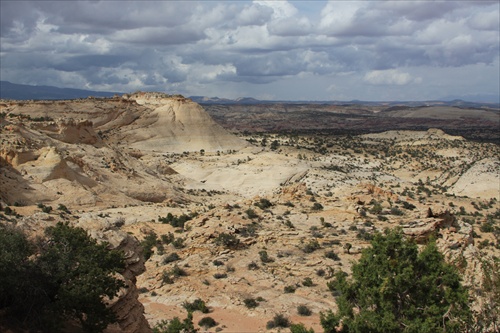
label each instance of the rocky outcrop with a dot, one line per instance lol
(129, 311)
(175, 125)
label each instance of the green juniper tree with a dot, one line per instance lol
(63, 277)
(396, 288)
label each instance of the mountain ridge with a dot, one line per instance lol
(9, 90)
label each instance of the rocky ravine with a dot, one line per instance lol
(123, 164)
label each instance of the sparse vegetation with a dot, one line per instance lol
(303, 310)
(279, 321)
(250, 303)
(196, 305)
(227, 240)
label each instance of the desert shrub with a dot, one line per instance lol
(177, 271)
(63, 208)
(148, 243)
(409, 206)
(279, 321)
(218, 263)
(317, 206)
(487, 227)
(300, 328)
(207, 322)
(312, 246)
(171, 258)
(395, 287)
(175, 325)
(249, 230)
(363, 234)
(178, 243)
(168, 238)
(396, 211)
(220, 275)
(307, 282)
(332, 255)
(227, 240)
(290, 289)
(176, 221)
(303, 310)
(263, 204)
(250, 303)
(251, 213)
(196, 305)
(376, 208)
(253, 266)
(382, 218)
(264, 257)
(166, 278)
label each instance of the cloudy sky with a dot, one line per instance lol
(289, 50)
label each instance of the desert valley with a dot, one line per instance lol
(250, 210)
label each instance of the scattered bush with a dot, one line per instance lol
(332, 255)
(300, 328)
(63, 208)
(311, 246)
(250, 303)
(220, 275)
(175, 325)
(171, 258)
(396, 211)
(263, 204)
(251, 213)
(176, 221)
(317, 206)
(307, 282)
(279, 321)
(253, 266)
(196, 305)
(303, 310)
(178, 243)
(218, 263)
(264, 257)
(148, 243)
(227, 240)
(290, 289)
(207, 322)
(178, 272)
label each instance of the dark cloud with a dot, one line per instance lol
(193, 46)
(86, 62)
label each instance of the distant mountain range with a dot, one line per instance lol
(10, 90)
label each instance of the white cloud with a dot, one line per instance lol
(387, 77)
(282, 9)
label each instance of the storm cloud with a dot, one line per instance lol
(337, 50)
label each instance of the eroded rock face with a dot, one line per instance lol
(128, 309)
